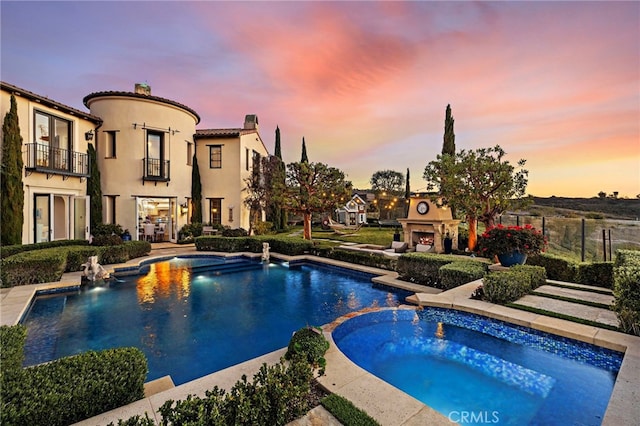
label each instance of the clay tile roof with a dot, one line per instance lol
(48, 102)
(223, 133)
(139, 96)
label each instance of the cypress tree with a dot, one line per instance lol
(449, 144)
(304, 158)
(94, 190)
(407, 195)
(196, 192)
(11, 191)
(278, 150)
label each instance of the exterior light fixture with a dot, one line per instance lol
(184, 208)
(88, 136)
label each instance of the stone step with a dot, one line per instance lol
(582, 286)
(600, 315)
(576, 294)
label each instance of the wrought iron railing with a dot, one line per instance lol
(155, 169)
(51, 160)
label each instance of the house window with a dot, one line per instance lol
(246, 157)
(52, 136)
(155, 154)
(215, 211)
(110, 209)
(110, 143)
(215, 156)
(189, 154)
(256, 159)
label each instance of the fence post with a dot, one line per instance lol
(604, 244)
(582, 239)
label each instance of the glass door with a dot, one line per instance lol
(42, 212)
(81, 218)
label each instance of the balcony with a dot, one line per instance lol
(155, 170)
(56, 161)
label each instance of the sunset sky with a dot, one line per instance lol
(365, 83)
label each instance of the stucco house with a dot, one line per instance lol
(56, 165)
(145, 146)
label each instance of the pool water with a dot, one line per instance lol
(477, 370)
(192, 317)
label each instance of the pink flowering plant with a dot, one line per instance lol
(506, 239)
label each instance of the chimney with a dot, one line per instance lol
(143, 89)
(251, 122)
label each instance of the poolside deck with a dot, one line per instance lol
(385, 403)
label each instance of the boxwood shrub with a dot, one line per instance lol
(598, 274)
(457, 273)
(363, 258)
(283, 245)
(537, 275)
(422, 268)
(6, 251)
(506, 286)
(32, 267)
(558, 268)
(69, 389)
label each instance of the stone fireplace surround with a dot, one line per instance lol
(434, 224)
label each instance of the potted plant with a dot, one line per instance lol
(511, 244)
(126, 236)
(448, 243)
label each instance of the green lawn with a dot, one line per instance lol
(365, 235)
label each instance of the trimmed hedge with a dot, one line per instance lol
(423, 268)
(590, 273)
(506, 286)
(558, 268)
(69, 389)
(598, 274)
(537, 275)
(626, 290)
(363, 258)
(33, 267)
(457, 273)
(283, 245)
(48, 265)
(6, 251)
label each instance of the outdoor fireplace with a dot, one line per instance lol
(430, 224)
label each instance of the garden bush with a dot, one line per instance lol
(32, 267)
(363, 258)
(457, 273)
(105, 229)
(626, 290)
(189, 232)
(537, 275)
(137, 248)
(598, 274)
(69, 389)
(423, 268)
(283, 245)
(6, 251)
(79, 255)
(106, 240)
(558, 268)
(310, 343)
(506, 286)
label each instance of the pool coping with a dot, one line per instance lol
(385, 403)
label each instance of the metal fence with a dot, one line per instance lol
(582, 239)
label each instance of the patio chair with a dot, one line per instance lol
(149, 232)
(159, 234)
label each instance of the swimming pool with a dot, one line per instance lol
(477, 370)
(195, 316)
